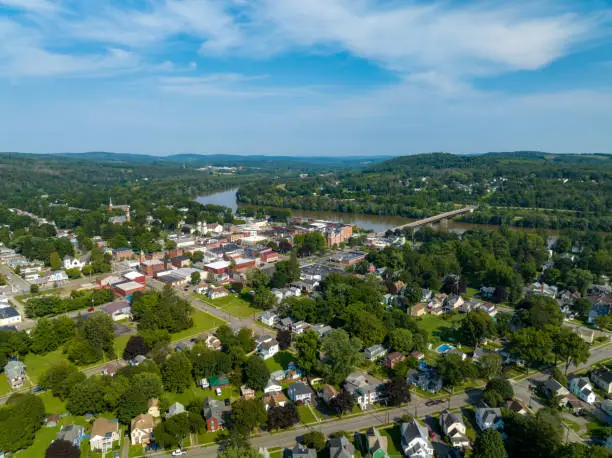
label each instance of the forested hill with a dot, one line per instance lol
(503, 161)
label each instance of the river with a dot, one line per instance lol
(376, 223)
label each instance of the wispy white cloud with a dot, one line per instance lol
(38, 6)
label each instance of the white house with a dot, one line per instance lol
(374, 352)
(141, 429)
(268, 318)
(72, 263)
(272, 387)
(581, 387)
(8, 315)
(268, 349)
(603, 379)
(452, 425)
(415, 440)
(104, 433)
(487, 418)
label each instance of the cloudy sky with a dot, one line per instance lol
(305, 77)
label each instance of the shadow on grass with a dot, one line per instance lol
(284, 358)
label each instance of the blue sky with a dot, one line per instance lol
(305, 77)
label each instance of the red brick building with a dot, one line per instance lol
(128, 288)
(151, 267)
(271, 256)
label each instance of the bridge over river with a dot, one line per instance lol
(441, 218)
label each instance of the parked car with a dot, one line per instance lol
(434, 403)
(218, 391)
(37, 389)
(227, 401)
(90, 309)
(179, 452)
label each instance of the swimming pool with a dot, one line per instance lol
(444, 348)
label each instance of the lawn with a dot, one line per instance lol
(4, 386)
(52, 404)
(394, 441)
(234, 305)
(306, 415)
(280, 361)
(439, 327)
(196, 393)
(202, 322)
(36, 365)
(44, 437)
(120, 343)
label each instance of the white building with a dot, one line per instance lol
(415, 440)
(581, 387)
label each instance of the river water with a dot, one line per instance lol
(377, 223)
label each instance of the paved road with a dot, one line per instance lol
(234, 322)
(17, 284)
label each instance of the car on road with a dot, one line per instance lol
(179, 452)
(434, 403)
(90, 309)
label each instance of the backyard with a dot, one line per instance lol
(202, 322)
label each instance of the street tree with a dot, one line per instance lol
(308, 346)
(315, 439)
(396, 391)
(196, 277)
(476, 325)
(247, 415)
(570, 348)
(135, 346)
(454, 370)
(283, 337)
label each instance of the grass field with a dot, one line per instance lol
(36, 365)
(306, 415)
(4, 386)
(52, 404)
(394, 441)
(280, 361)
(196, 393)
(120, 343)
(202, 322)
(234, 305)
(438, 327)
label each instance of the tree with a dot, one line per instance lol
(412, 295)
(256, 373)
(34, 289)
(87, 396)
(582, 307)
(245, 337)
(283, 417)
(577, 450)
(367, 327)
(247, 415)
(314, 439)
(539, 311)
(257, 278)
(308, 346)
(264, 299)
(176, 373)
(195, 277)
(61, 378)
(239, 452)
(20, 420)
(476, 325)
(396, 391)
(99, 330)
(453, 284)
(342, 403)
(135, 346)
(559, 376)
(342, 355)
(454, 370)
(490, 365)
(283, 337)
(401, 340)
(43, 337)
(501, 386)
(55, 261)
(533, 345)
(489, 444)
(570, 348)
(62, 449)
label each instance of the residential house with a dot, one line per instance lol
(299, 327)
(487, 417)
(175, 409)
(15, 374)
(425, 378)
(215, 414)
(588, 335)
(374, 352)
(285, 324)
(217, 292)
(267, 350)
(72, 263)
(9, 316)
(119, 310)
(415, 440)
(581, 387)
(392, 359)
(268, 318)
(51, 421)
(341, 447)
(418, 309)
(603, 379)
(366, 391)
(141, 429)
(153, 408)
(376, 444)
(272, 387)
(553, 388)
(247, 393)
(104, 433)
(300, 392)
(110, 369)
(606, 406)
(327, 393)
(452, 425)
(453, 302)
(470, 305)
(299, 451)
(221, 381)
(322, 329)
(72, 433)
(213, 343)
(274, 399)
(278, 375)
(516, 406)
